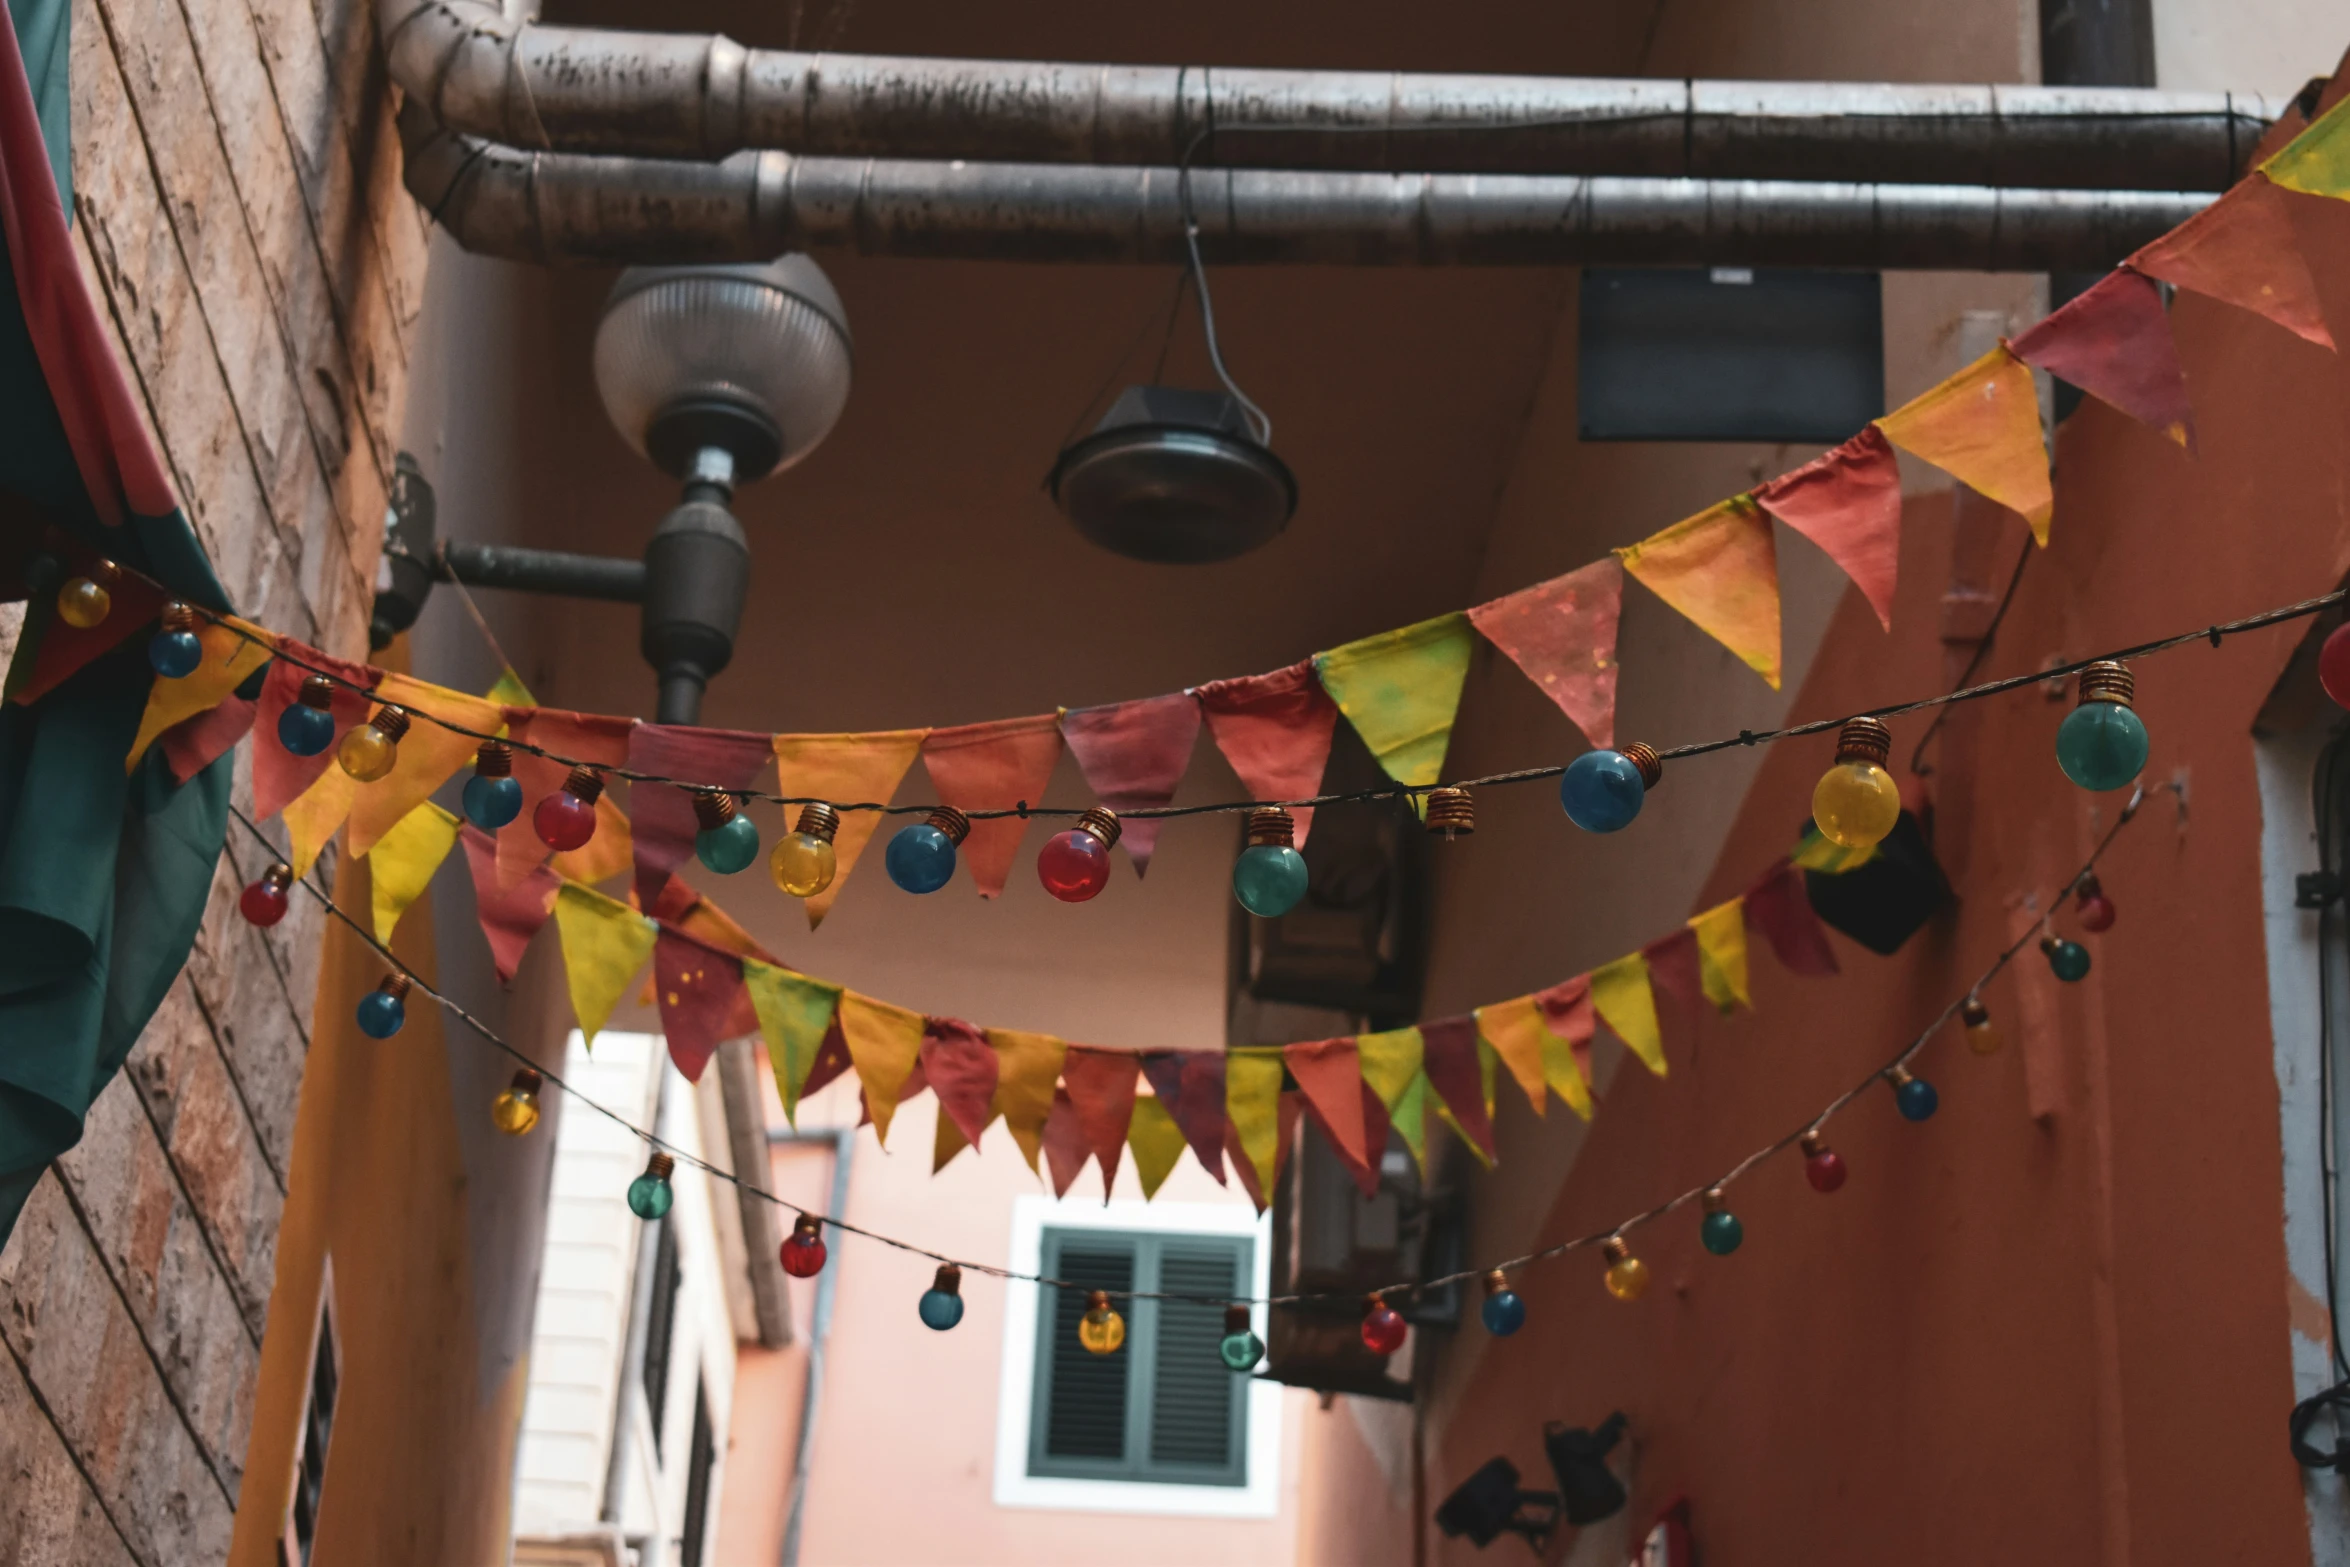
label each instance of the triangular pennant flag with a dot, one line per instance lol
(606, 855)
(1292, 1110)
(1101, 1085)
(1721, 951)
(1982, 427)
(605, 942)
(795, 1015)
(1331, 1078)
(1065, 1150)
(1780, 907)
(230, 656)
(65, 648)
(992, 767)
(313, 816)
(1401, 690)
(1190, 1083)
(196, 743)
(591, 738)
(428, 754)
(1621, 995)
(1274, 730)
(1568, 1024)
(832, 1061)
(1848, 502)
(2242, 249)
(1450, 1059)
(1514, 1029)
(1562, 633)
(1675, 975)
(1157, 1143)
(946, 1141)
(662, 820)
(1389, 1061)
(279, 776)
(2316, 162)
(1133, 755)
(844, 770)
(1409, 1116)
(1252, 1098)
(961, 1069)
(2114, 342)
(699, 990)
(510, 916)
(1816, 851)
(1241, 1167)
(1027, 1066)
(884, 1042)
(403, 863)
(1720, 569)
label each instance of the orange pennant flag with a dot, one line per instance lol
(844, 769)
(1721, 569)
(428, 754)
(1514, 1030)
(2242, 249)
(994, 767)
(1848, 502)
(1982, 427)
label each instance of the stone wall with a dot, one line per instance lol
(237, 209)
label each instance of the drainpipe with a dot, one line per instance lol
(844, 1144)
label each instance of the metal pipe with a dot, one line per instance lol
(544, 571)
(705, 97)
(575, 208)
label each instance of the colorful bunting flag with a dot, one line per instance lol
(1568, 1025)
(63, 649)
(1621, 995)
(1982, 427)
(2316, 162)
(510, 916)
(1401, 690)
(229, 660)
(591, 738)
(1157, 1143)
(1252, 1098)
(1065, 1150)
(403, 863)
(1274, 730)
(1720, 569)
(2114, 342)
(1562, 633)
(844, 769)
(1676, 976)
(884, 1043)
(1331, 1078)
(961, 1069)
(605, 942)
(196, 743)
(1027, 1067)
(1133, 754)
(428, 754)
(1721, 950)
(795, 1015)
(279, 776)
(1514, 1029)
(313, 817)
(991, 767)
(1449, 1056)
(1101, 1086)
(1391, 1069)
(699, 989)
(2242, 249)
(1848, 502)
(1190, 1083)
(661, 817)
(1780, 908)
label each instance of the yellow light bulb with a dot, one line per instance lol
(802, 864)
(1101, 1330)
(1627, 1275)
(1856, 804)
(367, 753)
(83, 603)
(1982, 1035)
(513, 1113)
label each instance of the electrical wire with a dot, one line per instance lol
(1982, 651)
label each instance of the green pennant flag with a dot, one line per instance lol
(605, 942)
(1400, 689)
(794, 1012)
(2316, 162)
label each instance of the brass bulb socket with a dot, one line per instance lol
(1614, 1250)
(1644, 757)
(950, 821)
(948, 1280)
(809, 1225)
(1451, 812)
(2050, 942)
(527, 1081)
(1236, 1320)
(2108, 681)
(2088, 886)
(1496, 1281)
(1372, 1303)
(819, 821)
(1900, 1077)
(1715, 1200)
(1864, 740)
(396, 986)
(1097, 1300)
(495, 759)
(1812, 1144)
(1271, 827)
(280, 876)
(659, 1166)
(713, 808)
(391, 722)
(1973, 1013)
(585, 783)
(105, 573)
(1101, 823)
(178, 617)
(317, 691)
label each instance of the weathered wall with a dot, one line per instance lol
(238, 213)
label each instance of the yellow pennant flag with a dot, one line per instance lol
(1513, 1031)
(1027, 1066)
(1621, 995)
(1564, 1073)
(1982, 427)
(1409, 1116)
(1719, 568)
(1816, 851)
(946, 1142)
(314, 814)
(1400, 689)
(794, 1013)
(428, 754)
(884, 1041)
(844, 769)
(228, 659)
(2316, 162)
(403, 862)
(1721, 955)
(1252, 1099)
(510, 691)
(1157, 1143)
(1390, 1064)
(604, 943)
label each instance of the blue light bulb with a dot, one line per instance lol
(1503, 1312)
(730, 847)
(1269, 879)
(175, 654)
(1604, 790)
(490, 803)
(2102, 743)
(941, 1306)
(921, 858)
(383, 1010)
(1915, 1097)
(305, 730)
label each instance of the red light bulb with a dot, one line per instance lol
(1075, 865)
(1383, 1328)
(803, 1252)
(566, 819)
(2333, 666)
(264, 903)
(2093, 907)
(1822, 1165)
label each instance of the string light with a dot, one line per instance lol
(175, 651)
(1720, 1230)
(1101, 1330)
(1856, 802)
(1270, 876)
(307, 726)
(1503, 1312)
(1627, 1275)
(1384, 1328)
(385, 1008)
(2068, 960)
(566, 819)
(2333, 665)
(516, 1109)
(1604, 790)
(803, 1250)
(650, 1194)
(728, 841)
(921, 858)
(2101, 744)
(1452, 813)
(372, 749)
(1075, 865)
(84, 601)
(493, 795)
(1240, 1349)
(1913, 1096)
(803, 861)
(2090, 904)
(264, 902)
(1822, 1166)
(1982, 1035)
(941, 1305)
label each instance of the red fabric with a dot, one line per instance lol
(1567, 1012)
(1449, 1057)
(279, 776)
(510, 916)
(584, 737)
(993, 767)
(1848, 502)
(1676, 976)
(960, 1068)
(1101, 1084)
(1779, 909)
(1190, 1083)
(2114, 342)
(1330, 1076)
(1562, 633)
(1065, 1151)
(1133, 755)
(1275, 731)
(194, 744)
(661, 817)
(64, 649)
(832, 1059)
(699, 989)
(2242, 249)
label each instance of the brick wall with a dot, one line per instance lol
(238, 211)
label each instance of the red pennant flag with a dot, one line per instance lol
(2114, 342)
(1675, 974)
(66, 648)
(1780, 909)
(1190, 1083)
(2242, 249)
(1562, 633)
(960, 1067)
(1065, 1150)
(510, 916)
(1331, 1078)
(196, 743)
(1449, 1047)
(1133, 755)
(1275, 731)
(832, 1060)
(279, 776)
(593, 738)
(1848, 502)
(1101, 1085)
(700, 989)
(661, 817)
(993, 767)
(1567, 1012)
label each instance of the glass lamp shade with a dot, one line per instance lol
(768, 343)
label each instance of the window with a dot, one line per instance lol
(660, 1327)
(311, 1438)
(700, 1458)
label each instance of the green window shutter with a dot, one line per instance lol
(1085, 1417)
(1193, 1397)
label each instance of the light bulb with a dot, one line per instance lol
(516, 1109)
(1982, 1035)
(2333, 665)
(803, 1249)
(1856, 802)
(1101, 1330)
(1720, 1230)
(1503, 1312)
(371, 750)
(1270, 876)
(175, 652)
(2090, 904)
(264, 902)
(1913, 1096)
(1074, 865)
(1383, 1327)
(493, 795)
(383, 1009)
(1451, 812)
(1822, 1166)
(2102, 743)
(84, 601)
(307, 726)
(803, 861)
(566, 819)
(1627, 1275)
(2069, 960)
(728, 841)
(1604, 790)
(1240, 1349)
(941, 1306)
(650, 1194)
(921, 858)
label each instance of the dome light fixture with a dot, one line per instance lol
(1174, 477)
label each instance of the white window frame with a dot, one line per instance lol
(1014, 1485)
